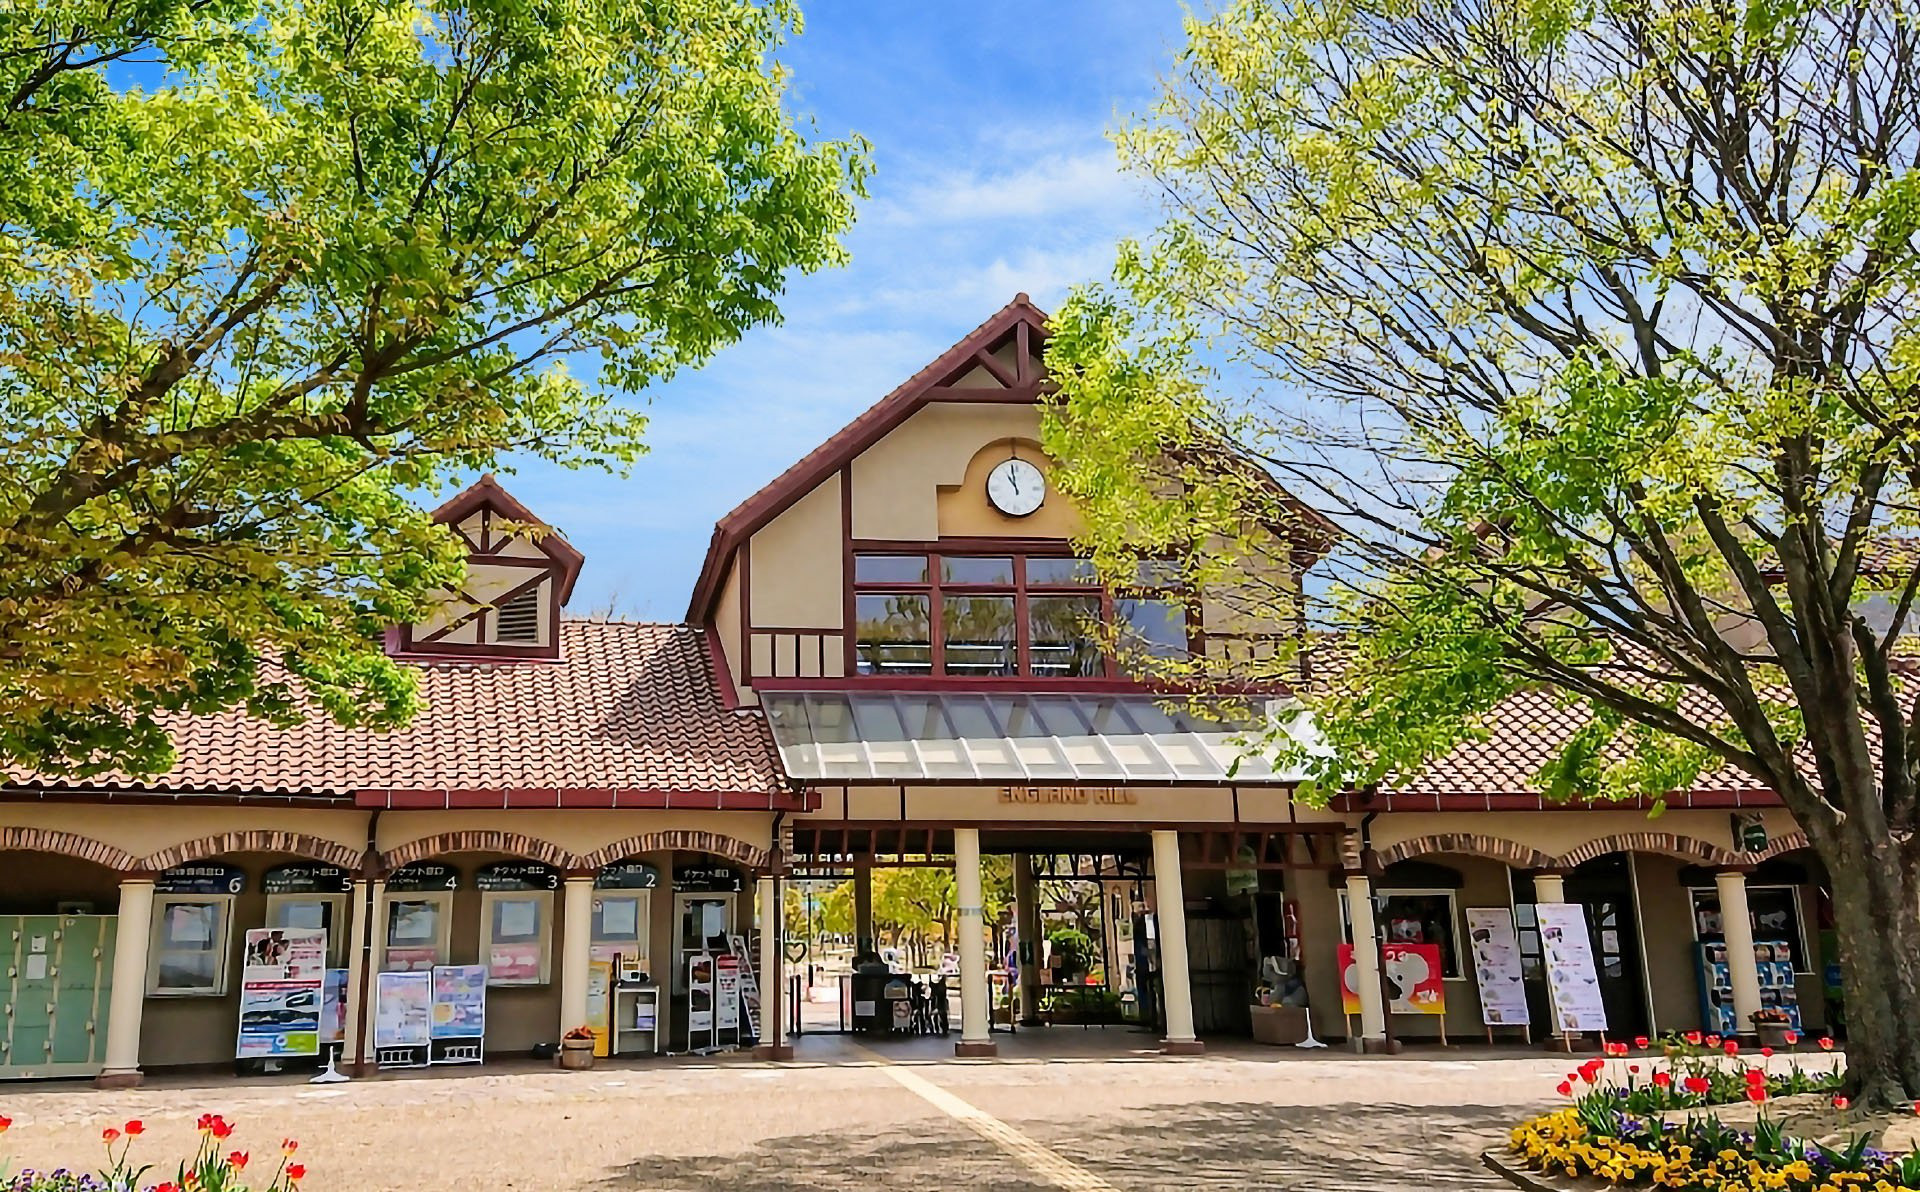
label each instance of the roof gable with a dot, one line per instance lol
(486, 495)
(998, 361)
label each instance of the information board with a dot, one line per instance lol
(726, 993)
(1496, 966)
(404, 1014)
(333, 1007)
(459, 1001)
(1572, 979)
(282, 979)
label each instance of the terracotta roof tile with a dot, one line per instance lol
(627, 707)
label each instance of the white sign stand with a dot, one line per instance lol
(1572, 979)
(1497, 971)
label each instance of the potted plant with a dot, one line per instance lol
(576, 1049)
(1773, 1026)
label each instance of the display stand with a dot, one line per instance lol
(749, 987)
(1774, 961)
(1498, 974)
(1573, 984)
(703, 1019)
(636, 1020)
(459, 1030)
(402, 1030)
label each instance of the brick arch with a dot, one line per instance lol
(517, 844)
(1667, 844)
(1791, 842)
(300, 844)
(67, 844)
(738, 851)
(1472, 844)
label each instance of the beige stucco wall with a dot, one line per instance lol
(797, 564)
(1557, 832)
(1666, 936)
(142, 831)
(576, 832)
(896, 482)
(963, 511)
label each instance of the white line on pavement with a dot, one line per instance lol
(1056, 1169)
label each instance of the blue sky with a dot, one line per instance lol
(988, 122)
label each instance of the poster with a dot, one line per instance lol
(726, 993)
(700, 994)
(1571, 979)
(404, 1014)
(1413, 979)
(749, 985)
(333, 1007)
(600, 1005)
(515, 962)
(1496, 966)
(282, 975)
(459, 1008)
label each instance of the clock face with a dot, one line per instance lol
(1016, 487)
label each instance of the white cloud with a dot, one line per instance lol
(1047, 187)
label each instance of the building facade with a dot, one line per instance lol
(886, 660)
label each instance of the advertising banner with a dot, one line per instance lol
(726, 993)
(282, 978)
(700, 994)
(404, 1014)
(1496, 966)
(749, 985)
(459, 1001)
(1413, 979)
(1571, 978)
(333, 1007)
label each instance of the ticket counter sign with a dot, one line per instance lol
(1413, 979)
(282, 987)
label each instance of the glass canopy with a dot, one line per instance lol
(840, 736)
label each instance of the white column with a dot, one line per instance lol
(576, 949)
(976, 1032)
(772, 976)
(133, 927)
(1176, 982)
(365, 896)
(1366, 956)
(1737, 922)
(1549, 887)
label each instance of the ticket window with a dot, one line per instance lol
(704, 921)
(516, 929)
(416, 933)
(620, 924)
(328, 912)
(189, 945)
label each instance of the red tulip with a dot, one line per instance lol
(1698, 1084)
(1757, 1093)
(1564, 1088)
(1766, 1053)
(220, 1128)
(1731, 1047)
(1841, 1103)
(1826, 1043)
(289, 1145)
(1640, 1041)
(169, 1186)
(1664, 1080)
(1692, 1038)
(136, 1126)
(5, 1122)
(109, 1136)
(237, 1160)
(297, 1171)
(1792, 1038)
(1755, 1076)
(1634, 1069)
(1713, 1040)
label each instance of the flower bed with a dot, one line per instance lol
(217, 1166)
(1653, 1123)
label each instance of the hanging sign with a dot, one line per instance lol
(404, 1015)
(201, 879)
(517, 876)
(1496, 966)
(627, 875)
(1572, 980)
(282, 979)
(305, 878)
(422, 876)
(1413, 979)
(459, 1007)
(707, 879)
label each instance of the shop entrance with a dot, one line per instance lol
(1604, 889)
(706, 925)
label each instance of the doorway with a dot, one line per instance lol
(1604, 889)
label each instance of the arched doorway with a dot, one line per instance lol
(58, 926)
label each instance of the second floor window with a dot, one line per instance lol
(988, 616)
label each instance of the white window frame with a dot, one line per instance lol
(336, 933)
(642, 920)
(541, 898)
(442, 899)
(222, 943)
(1464, 970)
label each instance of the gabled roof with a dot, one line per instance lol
(630, 715)
(906, 400)
(486, 493)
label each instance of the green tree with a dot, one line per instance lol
(321, 254)
(1593, 324)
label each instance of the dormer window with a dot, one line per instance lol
(519, 574)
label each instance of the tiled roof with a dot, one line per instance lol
(627, 707)
(1525, 733)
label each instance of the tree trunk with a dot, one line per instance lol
(1876, 911)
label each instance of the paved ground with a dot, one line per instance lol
(1068, 1109)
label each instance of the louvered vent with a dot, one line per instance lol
(518, 620)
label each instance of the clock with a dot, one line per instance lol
(1015, 487)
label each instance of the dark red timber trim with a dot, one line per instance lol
(487, 494)
(1518, 801)
(850, 661)
(745, 564)
(586, 798)
(722, 673)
